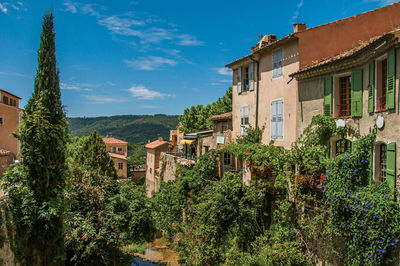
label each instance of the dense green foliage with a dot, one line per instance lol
(301, 206)
(36, 186)
(197, 117)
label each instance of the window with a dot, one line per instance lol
(382, 162)
(120, 166)
(150, 170)
(1, 120)
(5, 100)
(381, 85)
(277, 119)
(227, 159)
(245, 78)
(113, 149)
(277, 63)
(342, 146)
(244, 119)
(345, 96)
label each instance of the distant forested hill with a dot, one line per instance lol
(131, 128)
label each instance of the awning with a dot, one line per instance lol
(188, 141)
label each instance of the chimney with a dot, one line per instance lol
(160, 138)
(299, 27)
(271, 38)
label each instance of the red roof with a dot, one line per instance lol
(113, 141)
(10, 94)
(225, 116)
(155, 144)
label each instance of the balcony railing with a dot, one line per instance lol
(183, 155)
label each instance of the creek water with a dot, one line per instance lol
(157, 254)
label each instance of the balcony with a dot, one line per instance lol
(184, 156)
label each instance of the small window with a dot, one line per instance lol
(244, 119)
(277, 63)
(246, 78)
(5, 100)
(381, 85)
(227, 159)
(345, 96)
(342, 146)
(120, 166)
(1, 120)
(277, 119)
(150, 170)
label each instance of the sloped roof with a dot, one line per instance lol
(10, 94)
(155, 144)
(116, 155)
(111, 140)
(372, 45)
(225, 116)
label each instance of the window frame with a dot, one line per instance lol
(378, 83)
(280, 100)
(336, 94)
(280, 62)
(227, 159)
(120, 166)
(243, 117)
(1, 121)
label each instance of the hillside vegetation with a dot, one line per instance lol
(131, 128)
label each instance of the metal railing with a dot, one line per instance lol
(183, 155)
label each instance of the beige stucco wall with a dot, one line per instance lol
(122, 148)
(247, 98)
(120, 172)
(270, 89)
(311, 103)
(10, 115)
(150, 174)
(279, 88)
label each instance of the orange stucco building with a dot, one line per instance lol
(118, 151)
(10, 115)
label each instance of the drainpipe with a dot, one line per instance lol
(258, 87)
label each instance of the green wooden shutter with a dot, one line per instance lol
(391, 81)
(371, 87)
(356, 93)
(391, 165)
(328, 96)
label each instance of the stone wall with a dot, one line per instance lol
(168, 166)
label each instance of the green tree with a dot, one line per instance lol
(197, 117)
(36, 187)
(93, 156)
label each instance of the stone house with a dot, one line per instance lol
(154, 150)
(118, 151)
(10, 115)
(359, 88)
(265, 93)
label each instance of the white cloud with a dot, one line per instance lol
(70, 7)
(100, 99)
(150, 62)
(3, 8)
(75, 87)
(142, 93)
(16, 74)
(223, 71)
(297, 12)
(148, 29)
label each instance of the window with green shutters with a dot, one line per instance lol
(356, 92)
(391, 81)
(328, 96)
(371, 87)
(391, 165)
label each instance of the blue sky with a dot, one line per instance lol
(147, 57)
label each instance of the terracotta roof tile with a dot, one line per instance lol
(225, 116)
(155, 144)
(116, 155)
(113, 140)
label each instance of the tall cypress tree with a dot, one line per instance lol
(43, 134)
